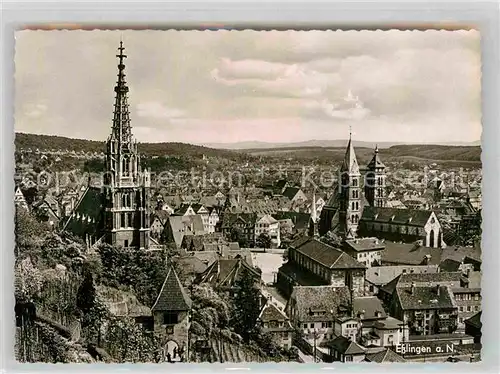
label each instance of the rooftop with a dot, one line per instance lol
(425, 298)
(324, 299)
(365, 244)
(172, 296)
(327, 255)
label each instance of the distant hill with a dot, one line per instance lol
(50, 142)
(467, 154)
(253, 145)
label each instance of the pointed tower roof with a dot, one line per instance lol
(172, 296)
(350, 163)
(121, 128)
(376, 162)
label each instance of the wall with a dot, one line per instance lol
(180, 330)
(337, 278)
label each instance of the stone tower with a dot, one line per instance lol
(349, 193)
(375, 181)
(126, 187)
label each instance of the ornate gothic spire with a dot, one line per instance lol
(121, 119)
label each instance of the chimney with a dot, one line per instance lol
(361, 314)
(412, 288)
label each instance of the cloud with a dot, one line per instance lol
(156, 109)
(279, 80)
(184, 85)
(34, 110)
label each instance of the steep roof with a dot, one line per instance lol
(225, 272)
(350, 164)
(425, 298)
(376, 163)
(410, 217)
(89, 205)
(290, 192)
(345, 346)
(327, 255)
(386, 355)
(271, 313)
(475, 321)
(172, 296)
(370, 305)
(319, 298)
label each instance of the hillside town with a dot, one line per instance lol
(244, 259)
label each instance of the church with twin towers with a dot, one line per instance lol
(357, 207)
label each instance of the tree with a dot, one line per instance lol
(85, 298)
(332, 239)
(246, 305)
(264, 241)
(237, 236)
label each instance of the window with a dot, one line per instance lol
(305, 325)
(468, 308)
(122, 220)
(476, 297)
(476, 308)
(170, 318)
(348, 358)
(125, 243)
(311, 325)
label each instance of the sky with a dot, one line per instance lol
(274, 86)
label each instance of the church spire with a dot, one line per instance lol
(121, 119)
(350, 164)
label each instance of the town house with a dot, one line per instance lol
(275, 322)
(426, 310)
(367, 251)
(266, 224)
(314, 263)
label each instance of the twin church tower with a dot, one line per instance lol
(343, 210)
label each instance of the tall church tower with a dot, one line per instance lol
(375, 181)
(349, 193)
(126, 187)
